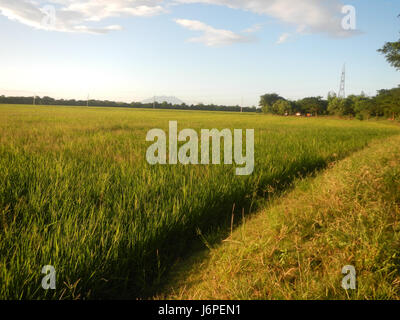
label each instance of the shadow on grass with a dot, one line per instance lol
(150, 275)
(213, 235)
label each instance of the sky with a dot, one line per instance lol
(201, 51)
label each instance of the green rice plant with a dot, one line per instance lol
(77, 193)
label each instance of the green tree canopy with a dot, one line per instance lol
(282, 107)
(364, 107)
(268, 100)
(341, 107)
(314, 105)
(391, 50)
(389, 100)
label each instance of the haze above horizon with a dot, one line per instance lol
(209, 51)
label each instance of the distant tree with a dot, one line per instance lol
(342, 107)
(165, 105)
(47, 101)
(389, 102)
(107, 103)
(335, 106)
(331, 96)
(268, 100)
(364, 108)
(348, 105)
(314, 105)
(282, 107)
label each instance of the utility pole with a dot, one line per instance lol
(241, 108)
(342, 89)
(87, 103)
(34, 100)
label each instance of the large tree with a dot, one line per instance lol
(268, 100)
(391, 50)
(364, 107)
(389, 101)
(314, 105)
(342, 107)
(282, 107)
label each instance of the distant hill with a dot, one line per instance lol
(161, 99)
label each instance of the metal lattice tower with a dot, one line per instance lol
(342, 90)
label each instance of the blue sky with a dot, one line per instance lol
(210, 51)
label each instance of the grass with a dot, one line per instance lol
(77, 193)
(297, 246)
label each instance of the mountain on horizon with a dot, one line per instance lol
(160, 99)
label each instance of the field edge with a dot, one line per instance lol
(297, 246)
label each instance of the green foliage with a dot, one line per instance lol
(389, 101)
(385, 103)
(364, 108)
(342, 107)
(313, 105)
(335, 106)
(44, 101)
(268, 100)
(282, 107)
(391, 50)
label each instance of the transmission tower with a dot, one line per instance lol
(342, 90)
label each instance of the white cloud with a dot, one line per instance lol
(254, 28)
(283, 38)
(77, 15)
(211, 37)
(307, 16)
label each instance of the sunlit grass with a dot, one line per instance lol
(296, 247)
(77, 193)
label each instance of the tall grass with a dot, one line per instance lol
(297, 246)
(77, 193)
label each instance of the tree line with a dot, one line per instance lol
(107, 103)
(385, 104)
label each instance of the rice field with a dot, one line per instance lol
(77, 193)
